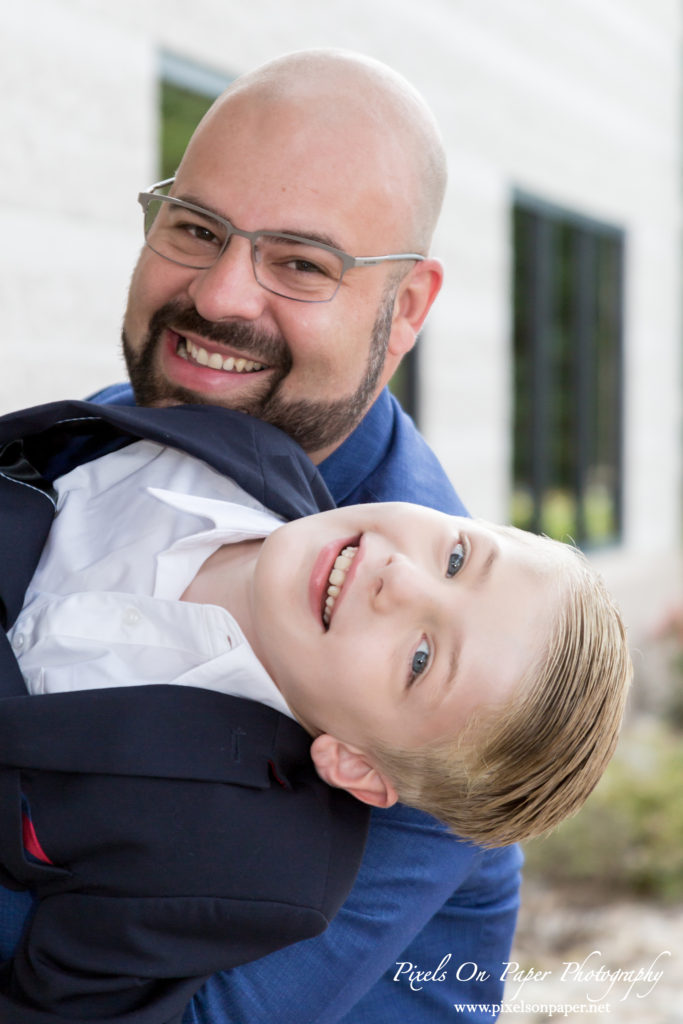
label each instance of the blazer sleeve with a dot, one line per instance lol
(91, 957)
(178, 832)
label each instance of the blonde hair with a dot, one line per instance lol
(518, 770)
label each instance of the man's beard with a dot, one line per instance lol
(314, 425)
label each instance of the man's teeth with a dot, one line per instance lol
(336, 580)
(215, 361)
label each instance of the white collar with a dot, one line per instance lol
(231, 523)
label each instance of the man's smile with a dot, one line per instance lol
(215, 360)
(205, 366)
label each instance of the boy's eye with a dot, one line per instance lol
(420, 660)
(456, 560)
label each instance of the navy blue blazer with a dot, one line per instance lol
(168, 832)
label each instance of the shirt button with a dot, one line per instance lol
(131, 616)
(18, 642)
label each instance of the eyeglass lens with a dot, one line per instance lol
(296, 269)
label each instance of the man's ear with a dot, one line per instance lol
(414, 299)
(346, 767)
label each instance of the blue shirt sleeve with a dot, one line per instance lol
(422, 897)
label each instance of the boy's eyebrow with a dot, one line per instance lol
(452, 670)
(454, 656)
(447, 677)
(485, 570)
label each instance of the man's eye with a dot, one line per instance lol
(201, 233)
(456, 560)
(305, 267)
(420, 661)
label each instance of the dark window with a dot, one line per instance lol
(405, 382)
(568, 273)
(186, 93)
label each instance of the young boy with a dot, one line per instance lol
(472, 670)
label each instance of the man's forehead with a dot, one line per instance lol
(307, 124)
(282, 159)
(364, 117)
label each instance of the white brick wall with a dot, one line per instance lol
(577, 102)
(77, 134)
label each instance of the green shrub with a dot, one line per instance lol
(628, 837)
(674, 709)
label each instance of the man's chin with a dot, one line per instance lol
(166, 403)
(158, 392)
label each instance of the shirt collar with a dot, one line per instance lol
(179, 564)
(225, 515)
(366, 446)
(230, 523)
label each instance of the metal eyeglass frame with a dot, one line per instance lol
(348, 262)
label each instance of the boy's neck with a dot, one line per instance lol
(225, 578)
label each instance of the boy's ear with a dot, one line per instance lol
(346, 767)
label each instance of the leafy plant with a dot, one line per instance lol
(627, 839)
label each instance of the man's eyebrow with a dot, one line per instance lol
(187, 197)
(309, 236)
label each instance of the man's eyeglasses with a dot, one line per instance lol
(288, 265)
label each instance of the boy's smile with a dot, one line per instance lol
(331, 572)
(338, 577)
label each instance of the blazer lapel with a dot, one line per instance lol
(28, 505)
(259, 457)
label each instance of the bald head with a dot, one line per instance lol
(368, 116)
(318, 148)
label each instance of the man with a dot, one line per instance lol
(245, 297)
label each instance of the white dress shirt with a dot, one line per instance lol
(103, 606)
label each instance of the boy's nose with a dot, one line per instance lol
(398, 581)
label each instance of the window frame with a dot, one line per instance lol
(543, 263)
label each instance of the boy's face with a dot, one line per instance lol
(435, 615)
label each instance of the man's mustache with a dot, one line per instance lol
(265, 348)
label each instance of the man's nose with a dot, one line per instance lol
(229, 289)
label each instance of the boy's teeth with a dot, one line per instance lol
(336, 580)
(215, 360)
